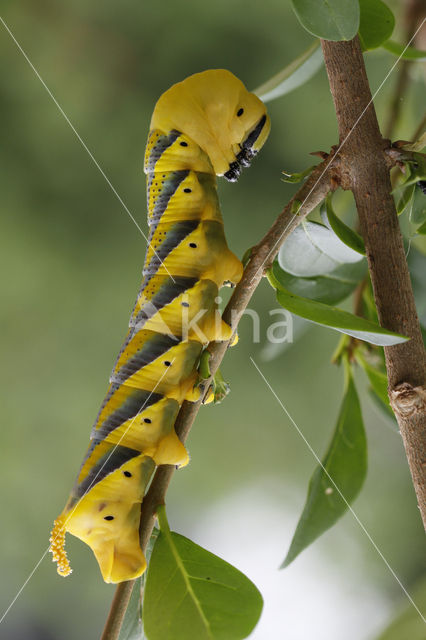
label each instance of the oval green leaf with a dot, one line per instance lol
(418, 208)
(378, 382)
(293, 75)
(313, 250)
(408, 623)
(191, 593)
(347, 235)
(376, 23)
(337, 481)
(404, 52)
(334, 318)
(405, 200)
(329, 289)
(422, 229)
(328, 19)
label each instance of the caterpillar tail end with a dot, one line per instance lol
(57, 547)
(120, 561)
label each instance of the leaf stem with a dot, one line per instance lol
(162, 519)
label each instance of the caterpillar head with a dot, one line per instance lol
(217, 112)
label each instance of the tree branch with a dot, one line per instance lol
(324, 178)
(366, 173)
(118, 610)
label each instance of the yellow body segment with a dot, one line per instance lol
(207, 125)
(107, 519)
(199, 319)
(209, 259)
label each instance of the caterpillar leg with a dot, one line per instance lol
(218, 389)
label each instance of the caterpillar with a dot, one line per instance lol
(208, 125)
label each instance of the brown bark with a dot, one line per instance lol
(117, 611)
(367, 175)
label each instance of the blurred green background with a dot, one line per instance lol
(70, 262)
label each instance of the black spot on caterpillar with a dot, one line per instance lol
(156, 370)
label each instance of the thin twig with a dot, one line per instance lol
(118, 610)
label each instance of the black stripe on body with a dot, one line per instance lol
(137, 401)
(113, 459)
(168, 291)
(163, 142)
(174, 236)
(170, 186)
(151, 349)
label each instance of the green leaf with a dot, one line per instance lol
(406, 53)
(191, 593)
(148, 553)
(418, 145)
(415, 176)
(376, 23)
(347, 235)
(297, 177)
(378, 381)
(293, 75)
(330, 288)
(313, 250)
(405, 199)
(341, 473)
(417, 167)
(328, 19)
(334, 318)
(131, 628)
(422, 229)
(408, 623)
(418, 208)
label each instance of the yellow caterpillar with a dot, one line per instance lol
(206, 125)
